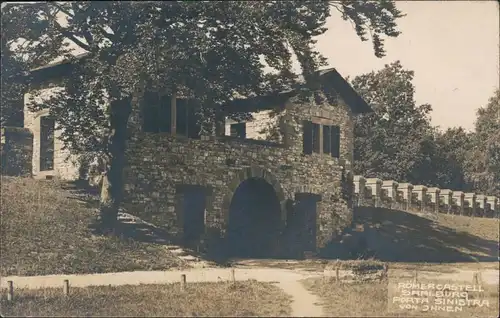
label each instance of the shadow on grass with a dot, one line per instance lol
(392, 235)
(133, 228)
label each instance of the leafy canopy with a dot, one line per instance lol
(391, 142)
(208, 50)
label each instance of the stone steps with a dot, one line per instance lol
(176, 250)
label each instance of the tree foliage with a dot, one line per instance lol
(393, 142)
(484, 160)
(397, 141)
(207, 50)
(450, 159)
(23, 45)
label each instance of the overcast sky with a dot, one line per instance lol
(453, 47)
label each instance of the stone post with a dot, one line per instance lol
(458, 196)
(407, 189)
(470, 198)
(376, 185)
(359, 189)
(494, 206)
(391, 187)
(481, 202)
(446, 194)
(434, 198)
(421, 192)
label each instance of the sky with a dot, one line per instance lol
(452, 46)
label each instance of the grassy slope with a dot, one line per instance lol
(399, 236)
(200, 299)
(44, 230)
(370, 300)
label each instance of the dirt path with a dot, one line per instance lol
(304, 303)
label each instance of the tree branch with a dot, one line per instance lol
(70, 35)
(62, 9)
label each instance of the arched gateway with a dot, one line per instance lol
(255, 214)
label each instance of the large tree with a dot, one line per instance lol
(450, 160)
(395, 141)
(484, 157)
(209, 50)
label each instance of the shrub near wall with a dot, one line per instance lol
(16, 151)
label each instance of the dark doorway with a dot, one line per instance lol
(47, 126)
(254, 220)
(300, 233)
(193, 201)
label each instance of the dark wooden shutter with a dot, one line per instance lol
(165, 114)
(47, 128)
(327, 139)
(150, 111)
(307, 137)
(316, 138)
(335, 139)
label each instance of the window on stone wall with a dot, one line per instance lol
(187, 119)
(327, 140)
(321, 138)
(316, 138)
(157, 116)
(331, 140)
(238, 130)
(307, 137)
(47, 127)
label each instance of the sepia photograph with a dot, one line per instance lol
(250, 158)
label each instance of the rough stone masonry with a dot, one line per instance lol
(189, 184)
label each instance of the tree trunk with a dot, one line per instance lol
(112, 185)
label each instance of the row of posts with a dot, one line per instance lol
(405, 196)
(10, 285)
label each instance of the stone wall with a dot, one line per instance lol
(159, 165)
(254, 128)
(16, 151)
(423, 200)
(65, 166)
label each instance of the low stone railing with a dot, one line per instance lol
(421, 199)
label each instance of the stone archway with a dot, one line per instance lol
(255, 214)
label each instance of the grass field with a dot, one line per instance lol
(486, 228)
(398, 236)
(248, 298)
(45, 230)
(371, 300)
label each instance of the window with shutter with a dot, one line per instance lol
(335, 141)
(47, 127)
(327, 139)
(150, 112)
(316, 138)
(307, 137)
(165, 115)
(157, 116)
